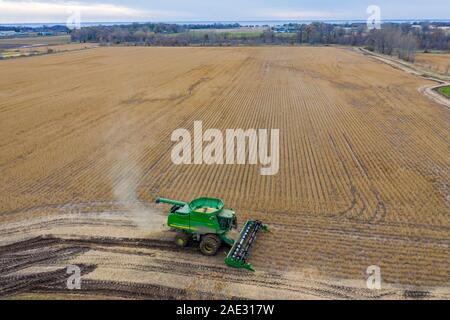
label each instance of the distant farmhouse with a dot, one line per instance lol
(11, 34)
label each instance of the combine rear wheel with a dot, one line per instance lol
(210, 244)
(182, 239)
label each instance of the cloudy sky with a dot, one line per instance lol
(28, 11)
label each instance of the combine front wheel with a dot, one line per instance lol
(210, 244)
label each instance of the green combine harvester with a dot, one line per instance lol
(205, 220)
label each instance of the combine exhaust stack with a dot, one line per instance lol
(237, 257)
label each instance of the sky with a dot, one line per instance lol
(55, 11)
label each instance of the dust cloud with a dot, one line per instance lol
(125, 175)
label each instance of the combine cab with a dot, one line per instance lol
(205, 220)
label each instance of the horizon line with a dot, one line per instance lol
(236, 21)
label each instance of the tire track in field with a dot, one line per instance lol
(24, 265)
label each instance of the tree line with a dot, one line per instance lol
(401, 39)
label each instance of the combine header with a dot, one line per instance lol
(205, 220)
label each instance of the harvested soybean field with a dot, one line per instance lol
(437, 62)
(86, 148)
(33, 41)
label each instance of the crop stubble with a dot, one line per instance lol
(364, 157)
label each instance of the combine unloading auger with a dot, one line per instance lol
(206, 221)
